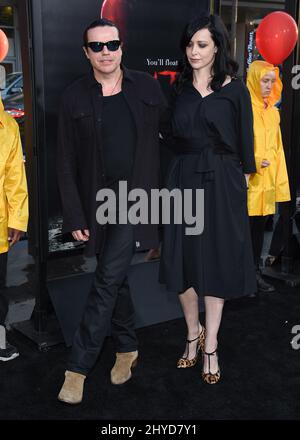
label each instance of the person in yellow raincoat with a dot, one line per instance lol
(270, 182)
(13, 210)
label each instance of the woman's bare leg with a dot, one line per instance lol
(213, 316)
(190, 307)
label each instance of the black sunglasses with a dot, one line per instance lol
(97, 46)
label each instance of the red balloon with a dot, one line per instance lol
(116, 11)
(3, 45)
(276, 37)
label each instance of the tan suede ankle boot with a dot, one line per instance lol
(121, 371)
(72, 389)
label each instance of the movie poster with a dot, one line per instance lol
(151, 31)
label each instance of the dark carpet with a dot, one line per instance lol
(260, 372)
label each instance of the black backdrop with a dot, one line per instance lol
(151, 31)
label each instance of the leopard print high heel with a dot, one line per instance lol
(202, 335)
(211, 378)
(184, 362)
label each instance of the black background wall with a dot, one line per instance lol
(152, 31)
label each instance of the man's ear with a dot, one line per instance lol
(85, 51)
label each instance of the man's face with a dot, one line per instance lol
(106, 61)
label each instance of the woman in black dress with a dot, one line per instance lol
(212, 134)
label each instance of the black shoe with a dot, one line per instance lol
(252, 295)
(8, 353)
(272, 261)
(262, 285)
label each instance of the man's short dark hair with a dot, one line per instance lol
(98, 23)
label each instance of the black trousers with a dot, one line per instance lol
(257, 227)
(109, 304)
(3, 300)
(277, 242)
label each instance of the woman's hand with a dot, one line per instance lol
(14, 236)
(265, 163)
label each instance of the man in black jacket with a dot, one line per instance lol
(108, 132)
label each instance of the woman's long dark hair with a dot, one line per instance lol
(223, 65)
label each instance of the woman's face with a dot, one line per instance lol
(266, 84)
(201, 50)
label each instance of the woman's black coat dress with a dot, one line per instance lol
(213, 140)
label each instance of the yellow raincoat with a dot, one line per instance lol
(13, 186)
(270, 184)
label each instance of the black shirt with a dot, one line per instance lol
(119, 139)
(223, 118)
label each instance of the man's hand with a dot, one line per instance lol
(81, 235)
(265, 163)
(14, 235)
